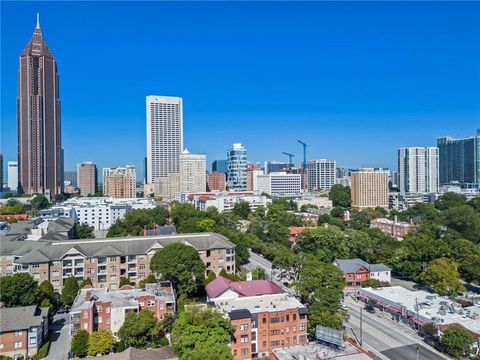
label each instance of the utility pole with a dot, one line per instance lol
(418, 351)
(418, 318)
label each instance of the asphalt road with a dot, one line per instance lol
(60, 338)
(386, 337)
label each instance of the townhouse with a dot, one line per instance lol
(95, 309)
(105, 261)
(23, 330)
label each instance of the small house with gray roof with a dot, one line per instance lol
(356, 271)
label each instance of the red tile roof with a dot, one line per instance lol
(243, 288)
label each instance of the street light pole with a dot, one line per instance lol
(418, 351)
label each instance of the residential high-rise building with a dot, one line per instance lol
(321, 174)
(459, 160)
(237, 168)
(87, 178)
(120, 182)
(193, 168)
(164, 136)
(369, 189)
(38, 119)
(216, 181)
(275, 166)
(220, 166)
(418, 170)
(71, 177)
(12, 174)
(279, 184)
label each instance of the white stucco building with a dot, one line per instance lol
(279, 184)
(193, 169)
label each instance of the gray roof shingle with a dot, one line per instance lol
(21, 318)
(349, 266)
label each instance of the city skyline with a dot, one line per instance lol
(420, 107)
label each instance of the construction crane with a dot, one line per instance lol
(304, 165)
(290, 156)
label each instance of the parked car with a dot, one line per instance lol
(62, 310)
(370, 309)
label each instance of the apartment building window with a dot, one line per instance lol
(264, 332)
(264, 344)
(294, 329)
(302, 338)
(89, 271)
(113, 268)
(18, 332)
(294, 317)
(301, 327)
(244, 327)
(107, 321)
(244, 339)
(33, 341)
(274, 332)
(150, 303)
(141, 266)
(274, 320)
(112, 258)
(85, 315)
(244, 351)
(35, 265)
(288, 317)
(234, 352)
(275, 343)
(18, 344)
(1, 346)
(264, 320)
(287, 329)
(208, 253)
(302, 317)
(99, 309)
(107, 310)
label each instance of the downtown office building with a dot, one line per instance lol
(38, 119)
(237, 168)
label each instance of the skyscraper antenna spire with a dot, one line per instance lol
(38, 21)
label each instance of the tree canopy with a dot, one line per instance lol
(456, 342)
(69, 292)
(181, 265)
(19, 289)
(84, 231)
(136, 220)
(80, 343)
(443, 276)
(200, 334)
(142, 328)
(100, 342)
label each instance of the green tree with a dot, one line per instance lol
(327, 244)
(150, 279)
(210, 277)
(84, 231)
(443, 276)
(206, 225)
(340, 196)
(136, 221)
(242, 209)
(374, 283)
(40, 202)
(181, 265)
(19, 289)
(450, 200)
(125, 281)
(465, 220)
(12, 207)
(320, 286)
(140, 328)
(80, 343)
(46, 291)
(85, 282)
(69, 292)
(202, 334)
(456, 342)
(100, 342)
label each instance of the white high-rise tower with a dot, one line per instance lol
(164, 136)
(418, 169)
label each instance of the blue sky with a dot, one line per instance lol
(355, 80)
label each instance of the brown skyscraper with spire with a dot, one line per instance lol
(38, 118)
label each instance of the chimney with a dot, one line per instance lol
(87, 295)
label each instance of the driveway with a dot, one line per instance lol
(60, 336)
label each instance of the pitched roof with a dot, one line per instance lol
(243, 288)
(61, 224)
(21, 318)
(349, 266)
(164, 353)
(133, 245)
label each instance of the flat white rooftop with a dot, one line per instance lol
(257, 304)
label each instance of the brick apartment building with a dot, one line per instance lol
(262, 315)
(356, 271)
(398, 229)
(105, 261)
(95, 309)
(216, 181)
(23, 330)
